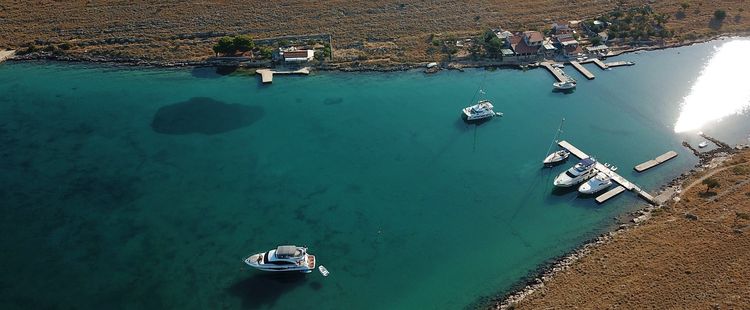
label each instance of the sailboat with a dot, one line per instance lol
(557, 156)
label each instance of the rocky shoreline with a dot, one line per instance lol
(536, 280)
(354, 66)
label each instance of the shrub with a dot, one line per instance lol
(65, 46)
(710, 183)
(720, 15)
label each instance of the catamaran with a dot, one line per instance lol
(582, 171)
(284, 258)
(557, 156)
(483, 109)
(599, 182)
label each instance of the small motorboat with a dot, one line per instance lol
(289, 258)
(599, 182)
(613, 168)
(323, 270)
(703, 144)
(570, 84)
(481, 110)
(556, 157)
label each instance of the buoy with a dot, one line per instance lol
(323, 270)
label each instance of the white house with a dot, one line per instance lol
(298, 55)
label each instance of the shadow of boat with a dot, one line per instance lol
(264, 289)
(562, 191)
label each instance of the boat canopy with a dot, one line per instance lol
(288, 250)
(588, 161)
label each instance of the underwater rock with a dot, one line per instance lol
(204, 115)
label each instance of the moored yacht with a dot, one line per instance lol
(569, 84)
(483, 109)
(556, 157)
(283, 258)
(576, 174)
(599, 182)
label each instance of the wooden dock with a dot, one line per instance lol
(559, 74)
(655, 162)
(5, 55)
(583, 70)
(613, 175)
(609, 194)
(266, 75)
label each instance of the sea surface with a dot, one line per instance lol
(133, 188)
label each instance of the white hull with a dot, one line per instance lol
(556, 157)
(270, 261)
(582, 171)
(563, 180)
(564, 85)
(481, 110)
(596, 184)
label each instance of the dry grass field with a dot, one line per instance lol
(397, 31)
(693, 254)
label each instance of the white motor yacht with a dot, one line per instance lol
(599, 182)
(564, 85)
(556, 157)
(481, 110)
(577, 174)
(283, 258)
(703, 144)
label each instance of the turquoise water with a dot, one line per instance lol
(145, 188)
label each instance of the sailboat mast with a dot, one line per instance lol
(557, 135)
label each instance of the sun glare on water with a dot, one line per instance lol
(722, 89)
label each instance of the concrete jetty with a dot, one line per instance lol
(5, 55)
(559, 74)
(619, 64)
(609, 194)
(583, 70)
(613, 175)
(598, 62)
(655, 162)
(266, 75)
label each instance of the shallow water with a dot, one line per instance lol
(106, 205)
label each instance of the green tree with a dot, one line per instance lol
(243, 43)
(710, 183)
(720, 15)
(224, 46)
(493, 47)
(265, 51)
(596, 41)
